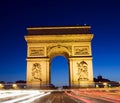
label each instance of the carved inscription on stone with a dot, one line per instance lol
(82, 71)
(36, 71)
(79, 50)
(36, 51)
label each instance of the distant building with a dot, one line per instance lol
(100, 81)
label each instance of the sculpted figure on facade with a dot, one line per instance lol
(82, 71)
(36, 71)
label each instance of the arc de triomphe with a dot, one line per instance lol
(72, 42)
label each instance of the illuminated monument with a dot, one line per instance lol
(72, 42)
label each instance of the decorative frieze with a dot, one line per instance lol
(81, 50)
(36, 51)
(69, 48)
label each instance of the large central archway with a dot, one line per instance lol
(59, 51)
(59, 71)
(72, 42)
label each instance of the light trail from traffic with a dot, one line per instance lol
(61, 96)
(106, 95)
(21, 96)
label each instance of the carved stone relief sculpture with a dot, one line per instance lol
(82, 71)
(36, 51)
(36, 71)
(78, 50)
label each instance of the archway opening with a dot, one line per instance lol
(59, 71)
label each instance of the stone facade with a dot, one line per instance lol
(73, 42)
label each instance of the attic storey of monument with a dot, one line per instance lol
(73, 42)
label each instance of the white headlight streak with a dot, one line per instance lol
(26, 96)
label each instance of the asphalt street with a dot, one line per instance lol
(57, 97)
(61, 97)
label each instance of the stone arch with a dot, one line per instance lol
(73, 42)
(58, 50)
(67, 70)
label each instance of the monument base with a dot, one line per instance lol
(83, 84)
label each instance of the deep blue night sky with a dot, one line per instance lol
(17, 15)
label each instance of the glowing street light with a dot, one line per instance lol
(14, 86)
(97, 86)
(1, 86)
(105, 84)
(109, 85)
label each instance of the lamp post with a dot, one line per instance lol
(1, 86)
(105, 84)
(14, 86)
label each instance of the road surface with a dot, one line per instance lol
(57, 97)
(61, 97)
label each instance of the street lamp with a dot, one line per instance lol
(97, 86)
(14, 86)
(1, 86)
(105, 84)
